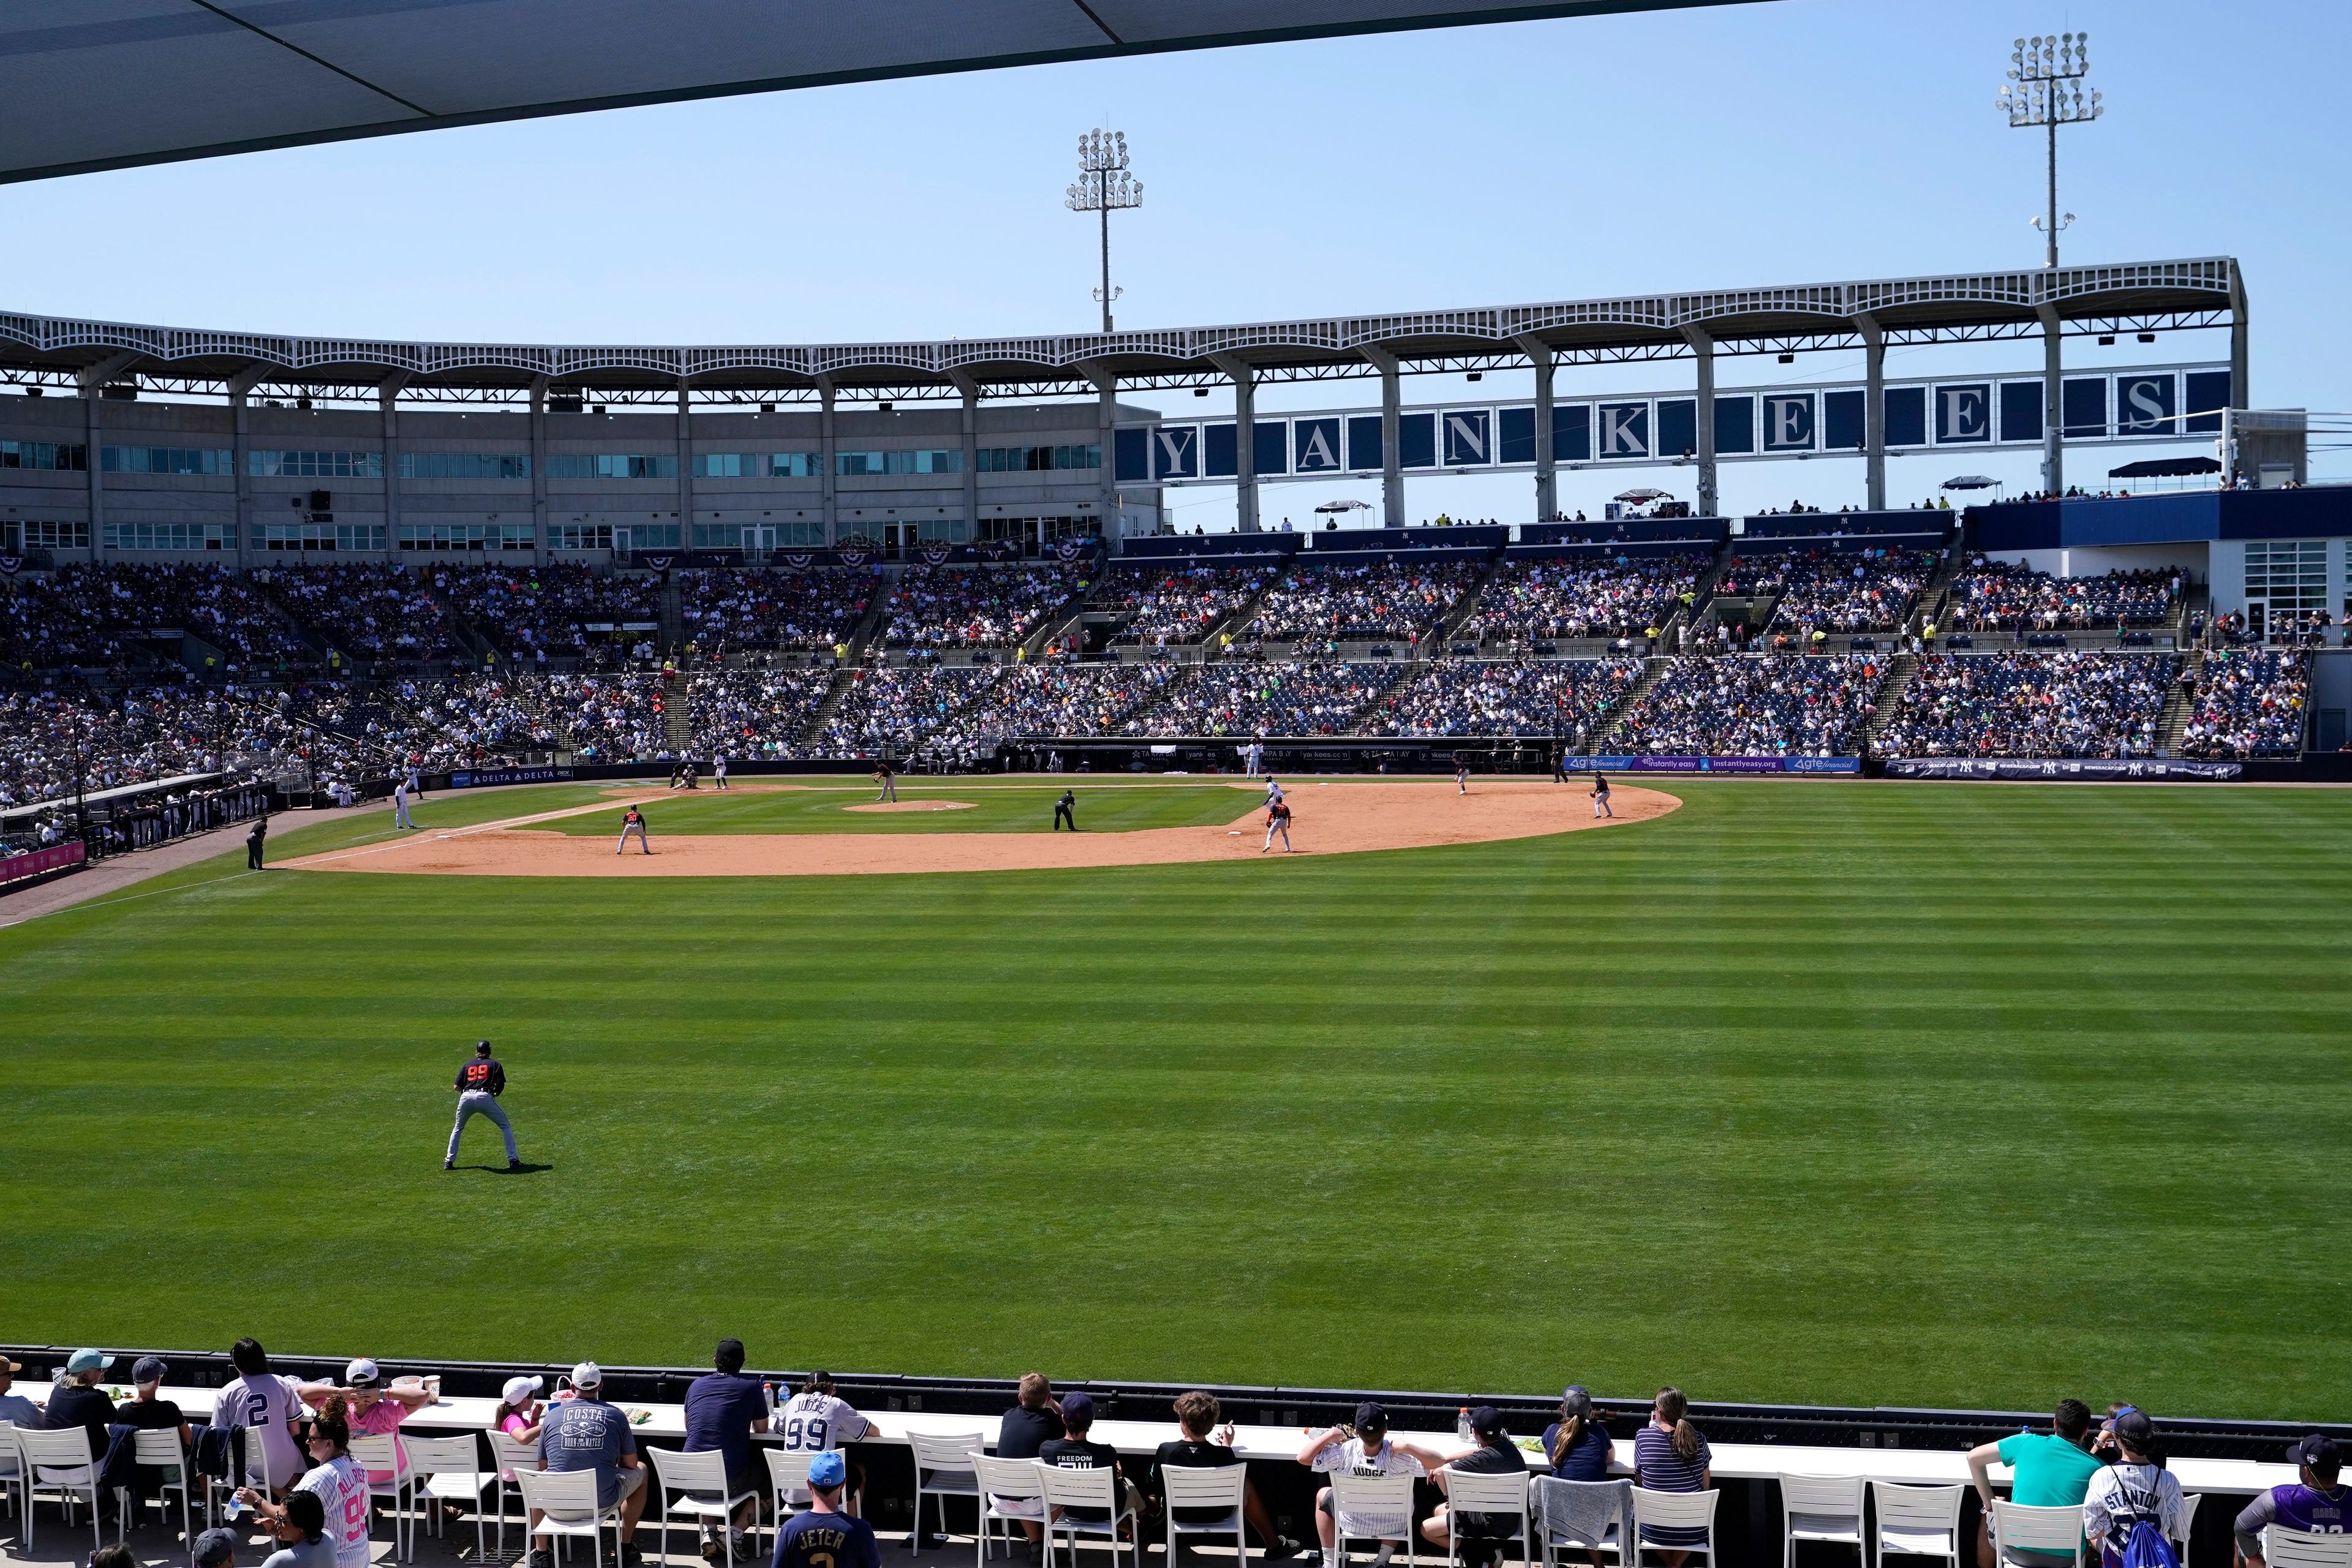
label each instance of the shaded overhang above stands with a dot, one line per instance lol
(110, 84)
(1972, 307)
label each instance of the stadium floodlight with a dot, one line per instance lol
(1104, 186)
(2045, 89)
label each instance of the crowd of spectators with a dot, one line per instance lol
(896, 711)
(602, 716)
(1175, 605)
(365, 610)
(1270, 698)
(1539, 600)
(89, 615)
(1847, 590)
(1399, 599)
(751, 608)
(1757, 705)
(2245, 704)
(530, 611)
(753, 712)
(2006, 595)
(1069, 700)
(1485, 697)
(2033, 705)
(975, 607)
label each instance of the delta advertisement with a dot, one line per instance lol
(486, 777)
(1715, 764)
(2099, 768)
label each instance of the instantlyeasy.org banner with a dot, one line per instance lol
(2056, 768)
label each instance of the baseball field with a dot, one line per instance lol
(1921, 1094)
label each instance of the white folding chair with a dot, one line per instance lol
(1011, 1491)
(511, 1457)
(1826, 1508)
(12, 1471)
(788, 1481)
(942, 1470)
(377, 1451)
(696, 1486)
(1559, 1506)
(1097, 1490)
(1491, 1495)
(60, 1464)
(1677, 1511)
(449, 1470)
(161, 1451)
(2188, 1503)
(1372, 1508)
(2284, 1548)
(2022, 1527)
(567, 1505)
(1915, 1521)
(1201, 1488)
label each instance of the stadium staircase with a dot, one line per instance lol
(2178, 704)
(1390, 688)
(1654, 669)
(469, 636)
(1462, 608)
(677, 720)
(821, 714)
(672, 612)
(1702, 591)
(1936, 598)
(868, 629)
(1236, 623)
(1888, 701)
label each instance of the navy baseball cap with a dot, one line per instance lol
(2133, 1427)
(1078, 1409)
(214, 1547)
(148, 1369)
(828, 1470)
(1372, 1417)
(1577, 1400)
(1485, 1420)
(2318, 1451)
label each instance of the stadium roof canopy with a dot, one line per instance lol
(2139, 297)
(108, 84)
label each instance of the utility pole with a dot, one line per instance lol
(1103, 187)
(2045, 89)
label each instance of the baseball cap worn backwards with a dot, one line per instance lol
(828, 1470)
(363, 1374)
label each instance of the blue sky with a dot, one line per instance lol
(1790, 141)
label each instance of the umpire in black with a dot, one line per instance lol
(1066, 810)
(253, 842)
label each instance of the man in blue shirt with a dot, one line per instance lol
(825, 1537)
(585, 1434)
(722, 1411)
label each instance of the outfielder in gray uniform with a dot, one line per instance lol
(479, 1084)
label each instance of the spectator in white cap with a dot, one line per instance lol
(375, 1409)
(585, 1433)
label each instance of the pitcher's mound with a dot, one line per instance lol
(912, 805)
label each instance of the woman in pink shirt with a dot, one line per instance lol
(375, 1409)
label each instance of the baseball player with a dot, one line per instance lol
(479, 1084)
(1277, 820)
(1601, 796)
(887, 780)
(1272, 791)
(634, 821)
(1065, 810)
(718, 771)
(400, 804)
(253, 842)
(1461, 774)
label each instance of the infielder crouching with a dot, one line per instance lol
(1601, 796)
(479, 1084)
(634, 821)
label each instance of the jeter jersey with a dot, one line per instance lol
(263, 1406)
(342, 1490)
(826, 1540)
(813, 1423)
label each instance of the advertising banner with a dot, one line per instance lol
(40, 862)
(1637, 764)
(2103, 768)
(485, 777)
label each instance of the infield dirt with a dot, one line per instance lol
(1329, 817)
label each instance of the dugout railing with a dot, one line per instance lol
(1748, 1521)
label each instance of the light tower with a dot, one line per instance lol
(1103, 187)
(2045, 89)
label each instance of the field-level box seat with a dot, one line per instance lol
(1824, 1509)
(1914, 1521)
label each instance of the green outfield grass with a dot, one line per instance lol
(994, 808)
(1924, 1094)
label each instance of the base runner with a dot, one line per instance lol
(634, 821)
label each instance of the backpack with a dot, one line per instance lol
(2145, 1547)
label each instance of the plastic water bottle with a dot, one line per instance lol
(768, 1390)
(1462, 1425)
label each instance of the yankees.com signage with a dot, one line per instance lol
(2104, 769)
(2156, 403)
